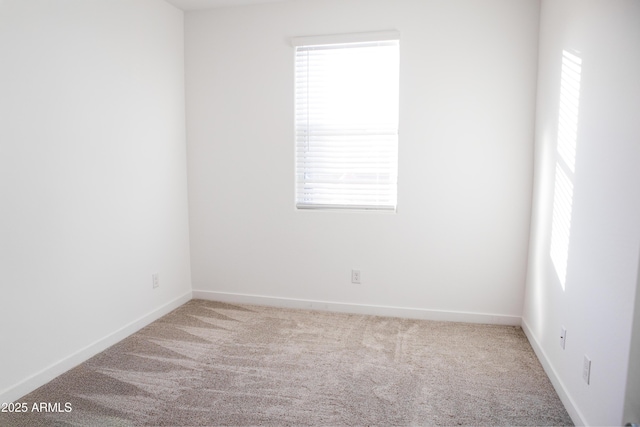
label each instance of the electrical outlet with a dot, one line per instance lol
(563, 336)
(155, 279)
(586, 369)
(355, 276)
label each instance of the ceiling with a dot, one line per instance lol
(210, 4)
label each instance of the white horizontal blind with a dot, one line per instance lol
(347, 125)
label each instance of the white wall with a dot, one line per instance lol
(597, 301)
(92, 178)
(459, 239)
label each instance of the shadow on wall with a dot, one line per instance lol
(565, 163)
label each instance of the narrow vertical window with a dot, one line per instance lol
(346, 121)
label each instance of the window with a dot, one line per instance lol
(346, 121)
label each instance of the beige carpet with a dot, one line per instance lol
(210, 363)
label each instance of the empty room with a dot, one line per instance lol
(319, 212)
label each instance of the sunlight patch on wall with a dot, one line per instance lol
(561, 223)
(565, 163)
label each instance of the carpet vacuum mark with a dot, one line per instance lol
(210, 363)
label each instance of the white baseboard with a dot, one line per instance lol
(558, 385)
(49, 373)
(375, 310)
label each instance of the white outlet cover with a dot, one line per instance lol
(355, 276)
(563, 337)
(586, 369)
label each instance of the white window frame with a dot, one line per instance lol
(374, 161)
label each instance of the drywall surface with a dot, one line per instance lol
(92, 175)
(585, 232)
(459, 239)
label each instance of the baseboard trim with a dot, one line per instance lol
(49, 373)
(558, 385)
(375, 310)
